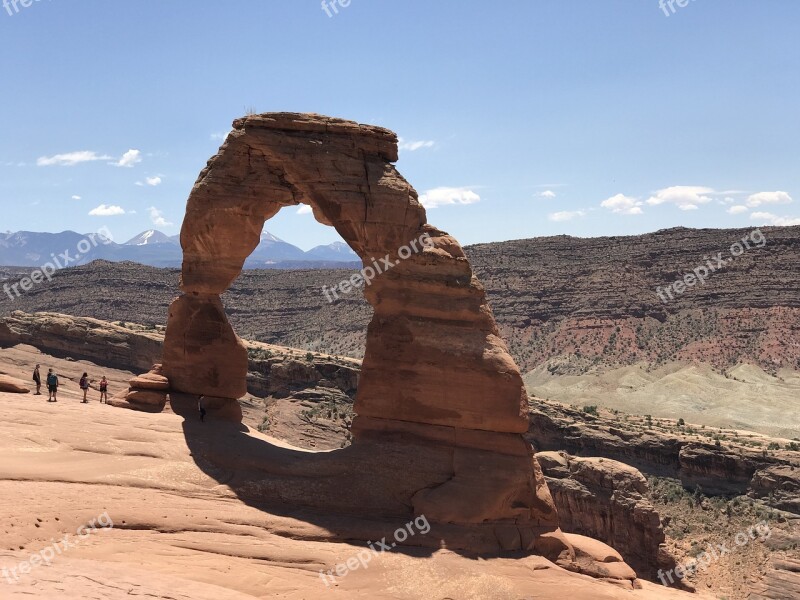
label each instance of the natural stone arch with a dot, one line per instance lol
(435, 375)
(433, 352)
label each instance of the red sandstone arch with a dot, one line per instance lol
(435, 370)
(433, 353)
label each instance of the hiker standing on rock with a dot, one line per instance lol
(84, 384)
(104, 390)
(52, 386)
(37, 379)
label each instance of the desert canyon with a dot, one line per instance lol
(306, 459)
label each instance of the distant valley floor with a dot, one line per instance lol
(744, 398)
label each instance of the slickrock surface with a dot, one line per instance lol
(301, 418)
(13, 385)
(181, 530)
(782, 582)
(439, 396)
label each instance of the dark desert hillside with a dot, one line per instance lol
(578, 302)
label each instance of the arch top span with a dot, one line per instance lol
(343, 170)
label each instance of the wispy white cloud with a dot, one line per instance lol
(106, 211)
(768, 198)
(304, 209)
(219, 137)
(737, 209)
(549, 194)
(412, 145)
(70, 159)
(566, 215)
(623, 205)
(157, 217)
(444, 196)
(685, 197)
(151, 181)
(129, 159)
(766, 218)
(76, 197)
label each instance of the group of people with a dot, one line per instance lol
(53, 384)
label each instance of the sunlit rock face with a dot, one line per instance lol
(439, 393)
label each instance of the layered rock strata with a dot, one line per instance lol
(439, 398)
(132, 348)
(727, 468)
(607, 500)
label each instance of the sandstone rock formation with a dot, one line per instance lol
(272, 370)
(439, 398)
(782, 581)
(202, 354)
(146, 392)
(344, 171)
(82, 338)
(12, 385)
(730, 468)
(605, 499)
(180, 535)
(281, 372)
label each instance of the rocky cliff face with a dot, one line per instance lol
(579, 303)
(133, 349)
(607, 500)
(569, 303)
(660, 447)
(272, 370)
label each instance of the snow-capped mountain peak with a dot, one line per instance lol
(150, 237)
(266, 236)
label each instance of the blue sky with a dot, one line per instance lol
(519, 119)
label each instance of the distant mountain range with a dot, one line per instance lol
(156, 249)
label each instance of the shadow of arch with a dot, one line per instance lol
(440, 405)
